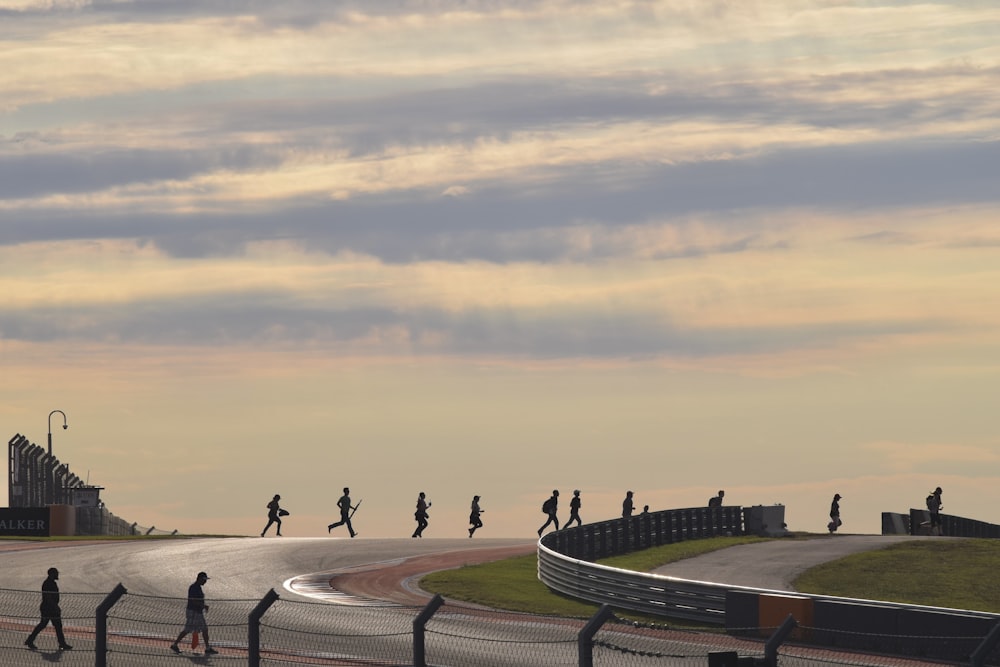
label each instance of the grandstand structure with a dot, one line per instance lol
(45, 498)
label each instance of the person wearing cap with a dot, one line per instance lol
(834, 514)
(574, 509)
(51, 612)
(195, 620)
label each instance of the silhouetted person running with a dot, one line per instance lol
(716, 501)
(574, 509)
(345, 512)
(421, 515)
(273, 515)
(50, 612)
(550, 507)
(195, 615)
(474, 513)
(627, 505)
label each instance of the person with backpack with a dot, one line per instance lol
(550, 507)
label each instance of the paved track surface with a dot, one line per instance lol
(242, 568)
(775, 564)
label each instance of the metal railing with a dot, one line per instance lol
(561, 568)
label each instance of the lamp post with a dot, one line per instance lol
(65, 426)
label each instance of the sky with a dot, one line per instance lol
(499, 248)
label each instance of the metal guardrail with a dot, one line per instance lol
(564, 562)
(660, 595)
(635, 591)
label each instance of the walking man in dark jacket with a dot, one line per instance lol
(50, 611)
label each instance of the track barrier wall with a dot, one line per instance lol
(565, 564)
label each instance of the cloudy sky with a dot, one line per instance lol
(481, 247)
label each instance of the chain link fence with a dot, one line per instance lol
(138, 629)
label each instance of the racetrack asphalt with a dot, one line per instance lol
(775, 564)
(377, 569)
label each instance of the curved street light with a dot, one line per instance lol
(65, 426)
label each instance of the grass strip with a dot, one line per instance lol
(513, 584)
(953, 573)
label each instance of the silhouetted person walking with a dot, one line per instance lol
(716, 501)
(550, 507)
(50, 612)
(574, 509)
(421, 515)
(834, 514)
(474, 513)
(345, 512)
(273, 515)
(195, 615)
(627, 505)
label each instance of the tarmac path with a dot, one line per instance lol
(775, 564)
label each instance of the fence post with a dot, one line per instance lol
(585, 640)
(419, 655)
(101, 625)
(978, 657)
(253, 627)
(777, 639)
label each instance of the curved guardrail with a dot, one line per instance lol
(564, 565)
(636, 591)
(565, 562)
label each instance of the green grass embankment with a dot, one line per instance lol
(957, 574)
(954, 573)
(513, 584)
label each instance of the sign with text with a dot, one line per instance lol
(24, 521)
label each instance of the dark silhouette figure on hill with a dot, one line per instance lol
(550, 507)
(50, 612)
(574, 509)
(934, 508)
(716, 501)
(195, 615)
(346, 511)
(421, 514)
(474, 513)
(273, 515)
(627, 505)
(835, 521)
